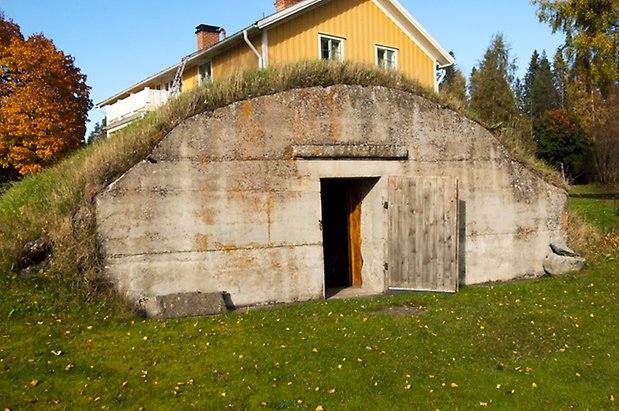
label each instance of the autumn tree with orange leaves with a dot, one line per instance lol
(44, 102)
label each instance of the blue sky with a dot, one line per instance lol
(117, 43)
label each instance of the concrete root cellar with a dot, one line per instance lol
(281, 198)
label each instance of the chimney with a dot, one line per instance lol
(284, 4)
(207, 36)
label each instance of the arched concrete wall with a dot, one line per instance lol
(230, 199)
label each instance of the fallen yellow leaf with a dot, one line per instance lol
(453, 385)
(612, 397)
(34, 383)
(534, 385)
(320, 408)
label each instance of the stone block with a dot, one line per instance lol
(555, 264)
(194, 304)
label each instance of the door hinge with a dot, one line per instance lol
(386, 205)
(386, 266)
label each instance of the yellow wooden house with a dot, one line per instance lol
(380, 32)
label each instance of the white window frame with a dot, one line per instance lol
(201, 81)
(379, 47)
(341, 40)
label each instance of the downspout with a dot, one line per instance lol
(251, 46)
(439, 77)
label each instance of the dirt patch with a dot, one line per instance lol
(410, 310)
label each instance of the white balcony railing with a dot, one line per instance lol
(136, 105)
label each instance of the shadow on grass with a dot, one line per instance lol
(597, 196)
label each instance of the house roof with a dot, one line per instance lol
(401, 17)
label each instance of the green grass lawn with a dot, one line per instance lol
(599, 205)
(544, 344)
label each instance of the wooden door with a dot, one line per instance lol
(423, 234)
(354, 233)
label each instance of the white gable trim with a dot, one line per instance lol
(418, 35)
(402, 18)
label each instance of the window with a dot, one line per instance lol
(205, 74)
(331, 48)
(387, 57)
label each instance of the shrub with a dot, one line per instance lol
(563, 143)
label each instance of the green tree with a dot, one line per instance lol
(98, 133)
(524, 87)
(606, 136)
(44, 102)
(562, 142)
(561, 78)
(492, 97)
(454, 84)
(543, 94)
(591, 38)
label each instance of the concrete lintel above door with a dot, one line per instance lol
(348, 151)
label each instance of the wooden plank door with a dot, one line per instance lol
(354, 234)
(423, 234)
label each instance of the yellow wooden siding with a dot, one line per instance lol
(237, 59)
(362, 24)
(190, 78)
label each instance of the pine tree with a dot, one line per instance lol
(98, 133)
(529, 78)
(543, 93)
(561, 80)
(492, 97)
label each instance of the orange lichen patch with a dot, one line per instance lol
(268, 212)
(248, 109)
(201, 242)
(564, 220)
(331, 98)
(334, 115)
(226, 247)
(207, 215)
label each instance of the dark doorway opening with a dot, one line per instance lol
(341, 232)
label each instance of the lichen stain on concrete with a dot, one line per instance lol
(524, 232)
(225, 247)
(334, 115)
(268, 210)
(207, 215)
(248, 109)
(564, 220)
(242, 258)
(201, 242)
